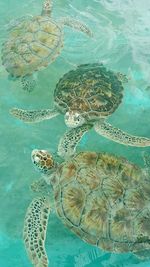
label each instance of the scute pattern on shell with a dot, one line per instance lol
(90, 89)
(97, 197)
(32, 44)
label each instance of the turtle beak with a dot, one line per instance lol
(34, 156)
(34, 151)
(37, 155)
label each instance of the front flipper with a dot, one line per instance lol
(67, 144)
(28, 83)
(146, 158)
(77, 25)
(143, 255)
(34, 233)
(33, 116)
(107, 130)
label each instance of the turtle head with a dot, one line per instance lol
(122, 77)
(47, 8)
(43, 161)
(74, 119)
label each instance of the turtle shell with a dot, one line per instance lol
(104, 200)
(33, 43)
(91, 89)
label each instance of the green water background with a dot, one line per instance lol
(121, 40)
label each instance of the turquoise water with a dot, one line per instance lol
(121, 37)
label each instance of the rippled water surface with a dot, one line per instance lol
(121, 40)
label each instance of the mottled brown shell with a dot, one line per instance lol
(91, 89)
(104, 199)
(33, 43)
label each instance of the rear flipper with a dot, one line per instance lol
(107, 130)
(34, 233)
(28, 83)
(67, 144)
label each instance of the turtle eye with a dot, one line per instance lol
(77, 119)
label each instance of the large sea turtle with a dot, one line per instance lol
(34, 42)
(102, 198)
(86, 96)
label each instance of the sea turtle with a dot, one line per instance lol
(86, 96)
(102, 198)
(34, 42)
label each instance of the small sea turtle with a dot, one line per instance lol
(86, 96)
(102, 198)
(34, 42)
